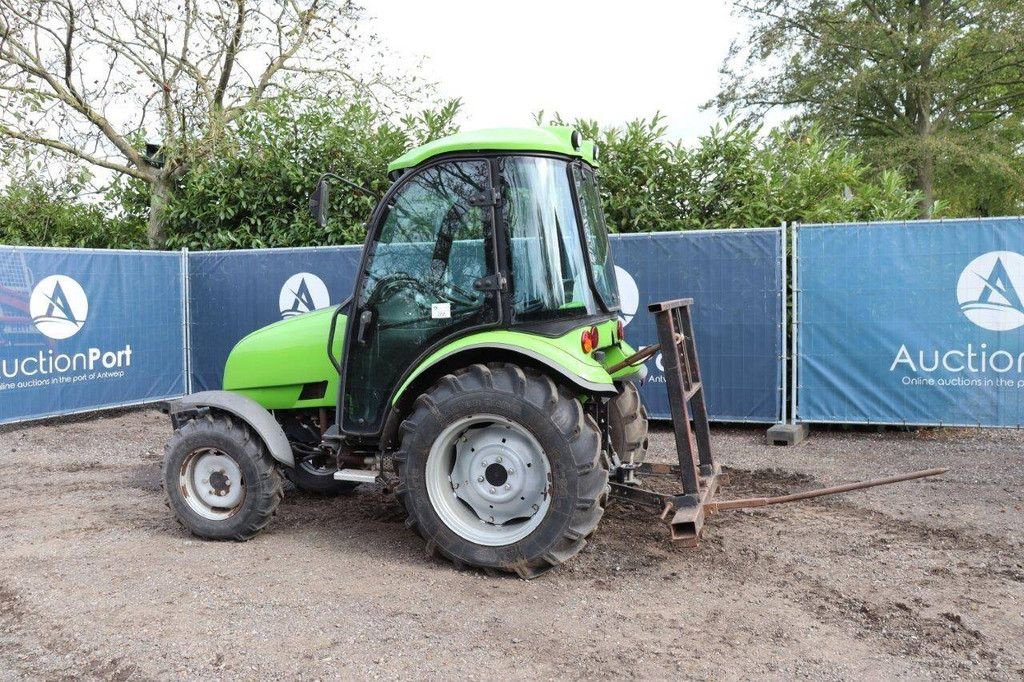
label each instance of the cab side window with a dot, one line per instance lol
(418, 287)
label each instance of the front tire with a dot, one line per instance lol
(499, 468)
(219, 479)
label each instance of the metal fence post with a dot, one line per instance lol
(794, 329)
(783, 297)
(186, 317)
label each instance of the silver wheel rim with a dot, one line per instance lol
(211, 483)
(489, 480)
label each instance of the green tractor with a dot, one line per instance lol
(477, 366)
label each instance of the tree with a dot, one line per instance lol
(38, 209)
(253, 192)
(96, 81)
(931, 86)
(738, 176)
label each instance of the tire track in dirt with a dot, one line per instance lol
(902, 628)
(38, 648)
(943, 641)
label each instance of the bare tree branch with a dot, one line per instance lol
(96, 80)
(74, 151)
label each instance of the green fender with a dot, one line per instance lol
(562, 354)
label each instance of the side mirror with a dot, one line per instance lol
(318, 202)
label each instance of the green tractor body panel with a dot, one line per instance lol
(563, 352)
(550, 139)
(274, 364)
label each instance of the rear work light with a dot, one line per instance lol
(589, 339)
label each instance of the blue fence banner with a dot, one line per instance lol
(736, 279)
(86, 329)
(83, 329)
(917, 323)
(232, 293)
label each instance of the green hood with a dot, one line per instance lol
(274, 364)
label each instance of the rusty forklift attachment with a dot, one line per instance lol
(749, 502)
(701, 478)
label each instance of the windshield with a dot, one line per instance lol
(549, 270)
(598, 251)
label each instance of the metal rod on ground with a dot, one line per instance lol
(749, 502)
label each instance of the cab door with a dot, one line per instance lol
(427, 275)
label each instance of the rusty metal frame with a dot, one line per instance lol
(697, 472)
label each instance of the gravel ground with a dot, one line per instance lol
(917, 580)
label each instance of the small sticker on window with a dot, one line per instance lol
(440, 311)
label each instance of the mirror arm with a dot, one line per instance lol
(359, 188)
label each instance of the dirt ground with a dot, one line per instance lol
(917, 580)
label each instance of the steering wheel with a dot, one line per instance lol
(388, 285)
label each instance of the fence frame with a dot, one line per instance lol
(185, 274)
(781, 375)
(783, 303)
(120, 405)
(795, 391)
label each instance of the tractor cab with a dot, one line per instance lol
(490, 230)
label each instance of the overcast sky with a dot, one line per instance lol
(611, 61)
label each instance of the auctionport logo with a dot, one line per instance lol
(988, 291)
(58, 306)
(303, 292)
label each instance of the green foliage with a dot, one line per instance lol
(38, 212)
(929, 87)
(253, 192)
(736, 177)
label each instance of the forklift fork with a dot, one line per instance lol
(697, 472)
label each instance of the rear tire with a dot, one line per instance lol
(219, 479)
(542, 500)
(627, 425)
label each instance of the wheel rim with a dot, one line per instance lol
(317, 465)
(211, 483)
(489, 480)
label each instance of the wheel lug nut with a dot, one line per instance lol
(498, 460)
(492, 490)
(511, 472)
(508, 487)
(479, 479)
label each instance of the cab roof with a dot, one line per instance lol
(549, 139)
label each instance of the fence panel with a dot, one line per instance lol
(83, 329)
(88, 329)
(735, 276)
(736, 280)
(911, 323)
(232, 293)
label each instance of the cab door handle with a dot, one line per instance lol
(365, 318)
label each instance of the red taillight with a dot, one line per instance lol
(620, 332)
(589, 340)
